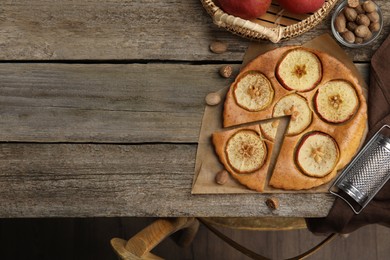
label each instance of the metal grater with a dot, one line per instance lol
(366, 174)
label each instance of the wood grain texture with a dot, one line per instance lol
(128, 30)
(107, 103)
(62, 180)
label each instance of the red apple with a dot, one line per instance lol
(301, 6)
(246, 9)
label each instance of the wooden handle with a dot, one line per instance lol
(222, 19)
(139, 246)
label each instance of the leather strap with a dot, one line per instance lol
(256, 256)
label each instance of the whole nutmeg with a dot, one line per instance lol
(218, 47)
(358, 40)
(272, 203)
(362, 31)
(350, 14)
(374, 17)
(362, 19)
(226, 71)
(340, 23)
(368, 36)
(351, 26)
(213, 99)
(353, 3)
(221, 177)
(374, 27)
(348, 36)
(359, 9)
(369, 6)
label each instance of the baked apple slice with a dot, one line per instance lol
(246, 151)
(336, 101)
(317, 154)
(299, 70)
(270, 129)
(253, 91)
(297, 107)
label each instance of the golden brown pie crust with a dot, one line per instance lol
(348, 135)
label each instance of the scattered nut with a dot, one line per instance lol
(351, 26)
(369, 6)
(348, 36)
(272, 203)
(226, 71)
(353, 3)
(362, 19)
(350, 14)
(362, 31)
(218, 47)
(340, 23)
(374, 17)
(221, 177)
(374, 27)
(213, 99)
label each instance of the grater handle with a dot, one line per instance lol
(357, 211)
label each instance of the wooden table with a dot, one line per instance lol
(101, 104)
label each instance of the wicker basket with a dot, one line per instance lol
(275, 25)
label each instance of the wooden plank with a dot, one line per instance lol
(128, 30)
(79, 180)
(101, 103)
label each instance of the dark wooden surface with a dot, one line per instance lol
(88, 239)
(101, 104)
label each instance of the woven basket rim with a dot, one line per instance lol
(254, 31)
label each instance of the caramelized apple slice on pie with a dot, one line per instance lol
(336, 101)
(299, 70)
(297, 107)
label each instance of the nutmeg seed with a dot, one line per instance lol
(373, 17)
(362, 31)
(350, 14)
(213, 99)
(358, 40)
(374, 27)
(221, 177)
(226, 71)
(359, 9)
(368, 36)
(340, 23)
(218, 47)
(351, 26)
(353, 3)
(369, 6)
(362, 19)
(348, 36)
(272, 203)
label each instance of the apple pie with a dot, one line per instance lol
(327, 114)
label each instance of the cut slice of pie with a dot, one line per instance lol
(245, 154)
